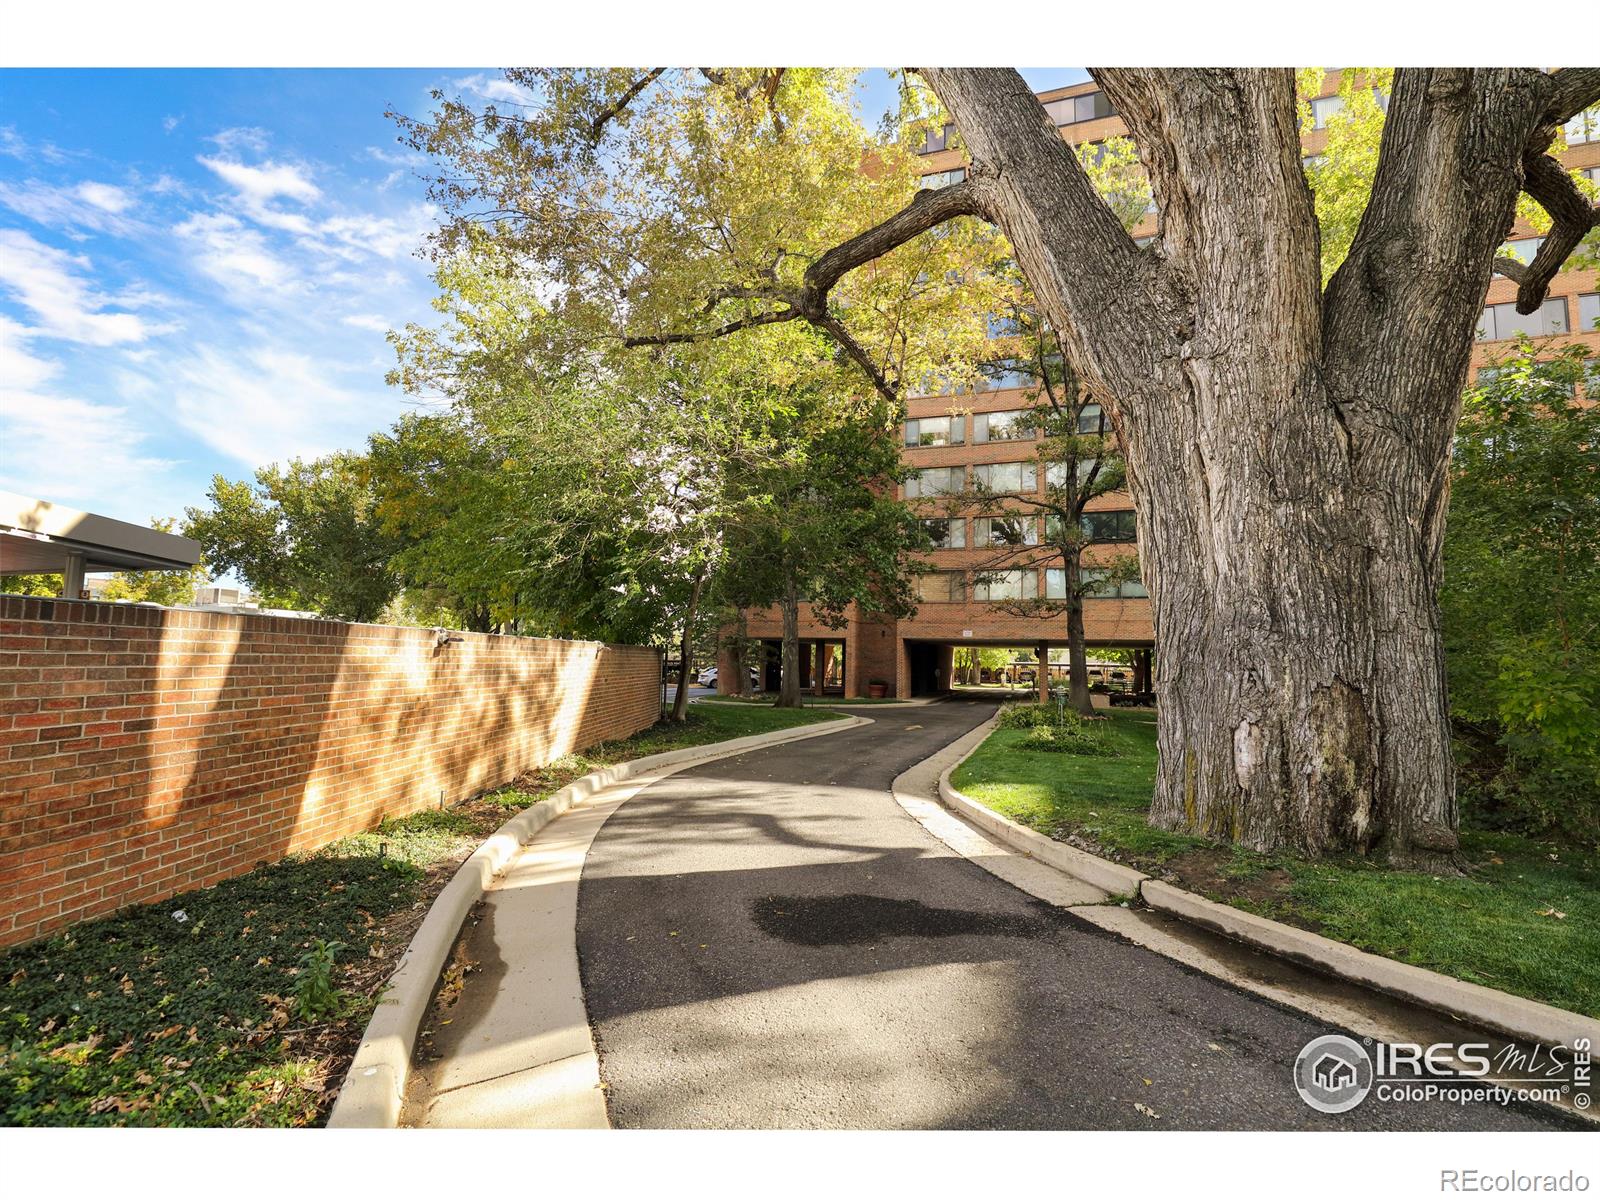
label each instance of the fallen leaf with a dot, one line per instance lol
(1147, 1111)
(1212, 1046)
(1147, 1083)
(1551, 912)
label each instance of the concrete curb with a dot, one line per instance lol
(1501, 1012)
(1514, 1016)
(373, 1092)
(1113, 878)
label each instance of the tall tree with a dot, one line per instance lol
(1080, 462)
(1286, 444)
(305, 536)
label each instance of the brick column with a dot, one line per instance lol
(1043, 680)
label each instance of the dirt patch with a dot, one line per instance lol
(1218, 874)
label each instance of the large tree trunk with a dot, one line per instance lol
(1287, 454)
(789, 684)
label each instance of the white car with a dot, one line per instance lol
(708, 678)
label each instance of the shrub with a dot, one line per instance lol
(1032, 716)
(1079, 737)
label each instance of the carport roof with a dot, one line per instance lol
(38, 537)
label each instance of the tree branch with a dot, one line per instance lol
(927, 209)
(810, 302)
(835, 329)
(1576, 88)
(703, 335)
(1547, 181)
(598, 128)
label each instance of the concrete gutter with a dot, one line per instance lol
(373, 1092)
(1514, 1016)
(1487, 1008)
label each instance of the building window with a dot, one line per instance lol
(1055, 585)
(1010, 529)
(946, 533)
(1019, 584)
(1585, 127)
(1588, 312)
(939, 139)
(1311, 162)
(936, 481)
(941, 587)
(1092, 420)
(1523, 249)
(941, 179)
(936, 431)
(1007, 373)
(1091, 106)
(1504, 321)
(1055, 475)
(1096, 585)
(1324, 108)
(1005, 477)
(1110, 526)
(1592, 174)
(1007, 426)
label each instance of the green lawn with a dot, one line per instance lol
(146, 1018)
(1496, 926)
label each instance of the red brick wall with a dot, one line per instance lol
(147, 751)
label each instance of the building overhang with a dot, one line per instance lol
(41, 538)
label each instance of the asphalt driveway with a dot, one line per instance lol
(769, 941)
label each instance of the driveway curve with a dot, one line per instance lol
(769, 941)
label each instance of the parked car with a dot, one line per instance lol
(708, 678)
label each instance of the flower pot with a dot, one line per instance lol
(877, 690)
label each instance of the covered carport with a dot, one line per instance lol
(41, 538)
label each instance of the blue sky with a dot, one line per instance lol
(198, 267)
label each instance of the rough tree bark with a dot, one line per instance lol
(1287, 452)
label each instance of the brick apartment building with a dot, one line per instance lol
(950, 436)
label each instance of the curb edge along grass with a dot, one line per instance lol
(1118, 881)
(1498, 1011)
(373, 1092)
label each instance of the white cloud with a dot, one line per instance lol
(355, 236)
(240, 137)
(104, 196)
(498, 90)
(237, 257)
(367, 321)
(14, 145)
(169, 123)
(64, 448)
(265, 182)
(266, 404)
(18, 366)
(46, 281)
(257, 186)
(87, 205)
